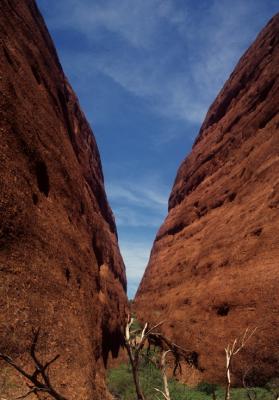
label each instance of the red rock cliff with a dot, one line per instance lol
(60, 266)
(214, 267)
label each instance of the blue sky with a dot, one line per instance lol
(145, 72)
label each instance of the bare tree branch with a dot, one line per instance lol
(154, 327)
(40, 381)
(161, 391)
(166, 392)
(148, 336)
(233, 349)
(34, 390)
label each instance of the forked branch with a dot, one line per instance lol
(232, 350)
(136, 341)
(39, 379)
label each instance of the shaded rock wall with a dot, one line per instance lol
(60, 265)
(214, 265)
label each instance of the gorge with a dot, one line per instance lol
(213, 269)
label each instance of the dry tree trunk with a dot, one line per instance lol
(133, 349)
(135, 371)
(134, 344)
(164, 374)
(231, 351)
(163, 367)
(228, 373)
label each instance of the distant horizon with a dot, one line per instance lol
(145, 77)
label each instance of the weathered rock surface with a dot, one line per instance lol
(60, 266)
(214, 267)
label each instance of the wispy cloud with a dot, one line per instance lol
(137, 22)
(136, 255)
(138, 203)
(178, 77)
(133, 217)
(170, 59)
(133, 192)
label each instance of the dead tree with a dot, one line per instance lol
(136, 341)
(133, 351)
(163, 367)
(39, 381)
(232, 350)
(178, 354)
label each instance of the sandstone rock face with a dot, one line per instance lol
(214, 267)
(60, 266)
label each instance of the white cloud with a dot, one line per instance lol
(138, 194)
(169, 55)
(131, 217)
(138, 203)
(179, 79)
(136, 256)
(135, 21)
